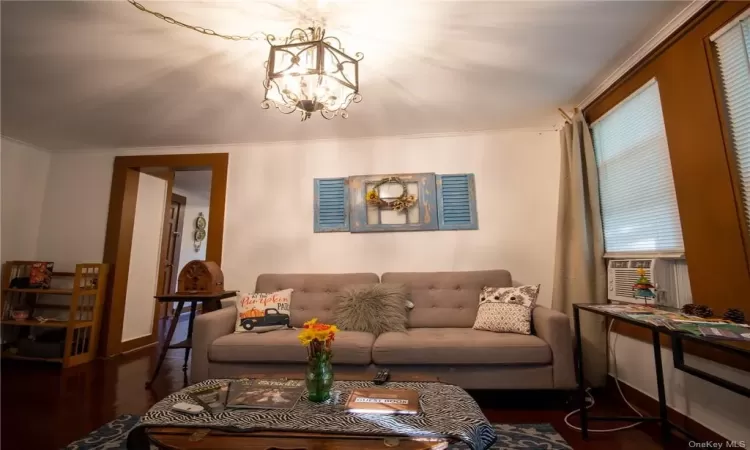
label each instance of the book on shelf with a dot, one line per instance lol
(265, 394)
(383, 401)
(40, 274)
(213, 397)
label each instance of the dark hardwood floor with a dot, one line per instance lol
(44, 407)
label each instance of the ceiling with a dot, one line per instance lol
(194, 182)
(102, 74)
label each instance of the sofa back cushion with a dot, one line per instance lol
(445, 299)
(314, 294)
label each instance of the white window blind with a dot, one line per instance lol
(636, 189)
(732, 49)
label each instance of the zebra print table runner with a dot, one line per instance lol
(445, 411)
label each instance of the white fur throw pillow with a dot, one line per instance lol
(506, 309)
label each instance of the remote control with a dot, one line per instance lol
(382, 376)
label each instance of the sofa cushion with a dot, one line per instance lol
(446, 299)
(459, 346)
(350, 347)
(314, 294)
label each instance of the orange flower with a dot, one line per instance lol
(312, 331)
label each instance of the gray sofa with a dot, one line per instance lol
(439, 340)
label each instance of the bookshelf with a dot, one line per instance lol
(75, 300)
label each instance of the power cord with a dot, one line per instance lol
(590, 398)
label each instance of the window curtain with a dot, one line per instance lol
(580, 273)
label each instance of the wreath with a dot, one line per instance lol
(402, 203)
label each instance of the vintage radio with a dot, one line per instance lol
(200, 277)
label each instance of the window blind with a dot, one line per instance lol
(732, 50)
(636, 189)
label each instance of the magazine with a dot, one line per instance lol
(735, 333)
(41, 275)
(265, 394)
(383, 401)
(624, 308)
(213, 398)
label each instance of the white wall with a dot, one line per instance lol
(75, 209)
(196, 202)
(712, 406)
(269, 214)
(144, 257)
(25, 170)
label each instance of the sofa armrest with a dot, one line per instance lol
(554, 328)
(206, 329)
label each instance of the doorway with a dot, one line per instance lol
(134, 191)
(188, 241)
(175, 223)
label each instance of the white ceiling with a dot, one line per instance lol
(102, 74)
(194, 182)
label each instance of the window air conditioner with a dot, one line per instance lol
(669, 276)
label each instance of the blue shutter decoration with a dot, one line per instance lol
(457, 202)
(331, 205)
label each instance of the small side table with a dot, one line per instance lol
(211, 302)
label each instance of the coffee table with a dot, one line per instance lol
(192, 438)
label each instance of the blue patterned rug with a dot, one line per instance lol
(534, 436)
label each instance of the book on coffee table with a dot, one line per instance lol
(266, 394)
(383, 401)
(213, 397)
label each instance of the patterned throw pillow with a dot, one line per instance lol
(506, 309)
(263, 312)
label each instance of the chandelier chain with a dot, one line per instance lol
(256, 36)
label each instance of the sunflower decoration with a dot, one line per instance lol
(401, 203)
(373, 198)
(317, 337)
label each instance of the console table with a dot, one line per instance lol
(656, 343)
(737, 347)
(211, 302)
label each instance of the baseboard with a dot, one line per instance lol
(650, 406)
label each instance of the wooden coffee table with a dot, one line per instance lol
(204, 438)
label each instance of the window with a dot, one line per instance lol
(636, 189)
(732, 48)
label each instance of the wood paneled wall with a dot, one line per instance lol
(710, 210)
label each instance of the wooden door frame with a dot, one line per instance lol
(119, 237)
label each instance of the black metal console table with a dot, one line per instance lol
(656, 343)
(736, 347)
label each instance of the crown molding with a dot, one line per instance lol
(24, 143)
(670, 27)
(224, 147)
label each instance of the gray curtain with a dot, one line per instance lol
(580, 273)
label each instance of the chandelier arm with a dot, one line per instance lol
(256, 36)
(333, 38)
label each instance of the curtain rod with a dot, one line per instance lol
(565, 115)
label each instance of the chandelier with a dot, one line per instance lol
(309, 72)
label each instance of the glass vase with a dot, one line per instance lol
(319, 378)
